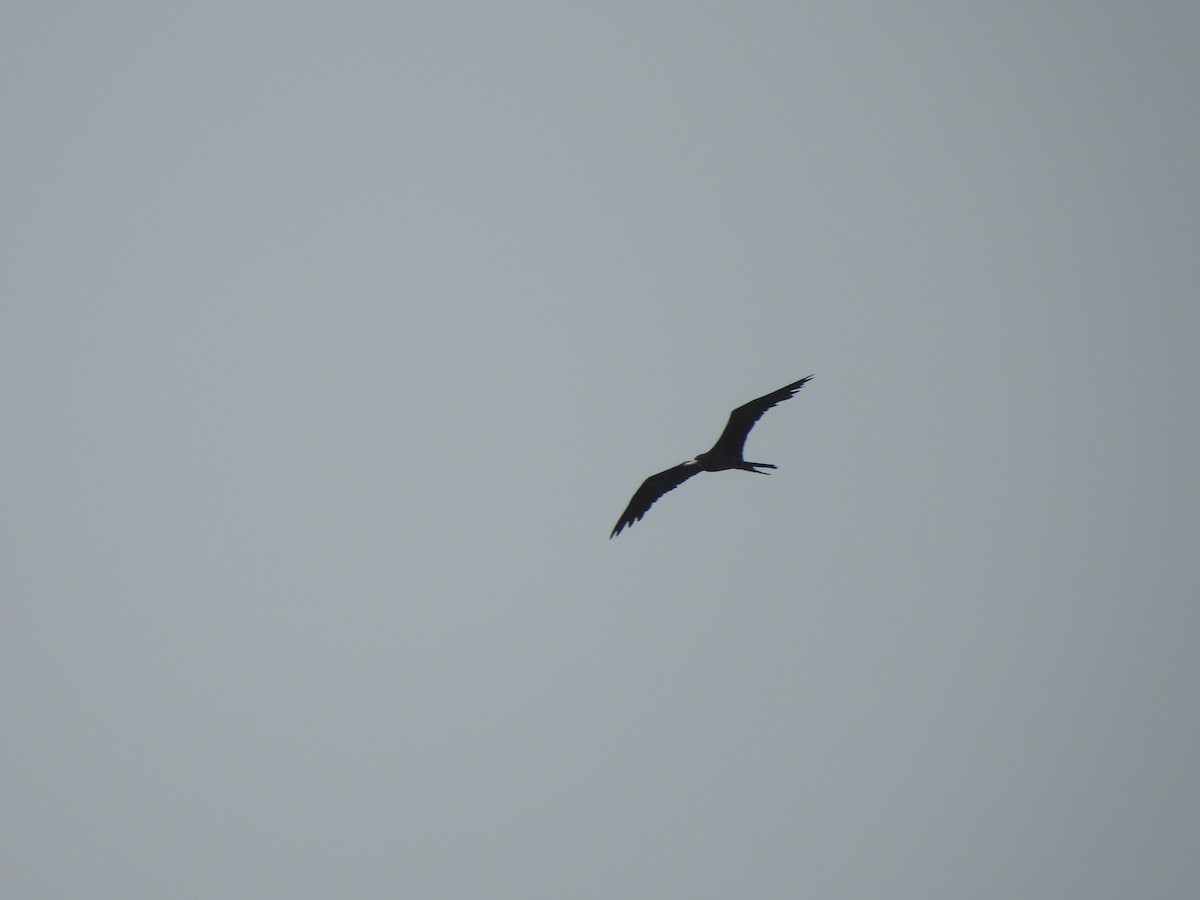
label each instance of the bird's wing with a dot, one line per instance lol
(653, 488)
(742, 419)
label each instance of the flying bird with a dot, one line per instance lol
(726, 453)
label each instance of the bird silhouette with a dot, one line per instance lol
(726, 453)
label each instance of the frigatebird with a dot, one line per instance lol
(726, 453)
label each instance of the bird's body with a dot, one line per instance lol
(726, 453)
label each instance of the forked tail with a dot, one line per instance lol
(754, 467)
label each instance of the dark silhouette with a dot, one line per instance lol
(726, 453)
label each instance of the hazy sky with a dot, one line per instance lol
(337, 336)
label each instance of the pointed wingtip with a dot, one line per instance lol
(796, 385)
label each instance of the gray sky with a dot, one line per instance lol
(336, 338)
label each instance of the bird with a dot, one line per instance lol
(726, 453)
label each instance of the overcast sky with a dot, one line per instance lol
(336, 337)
